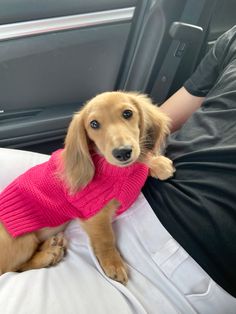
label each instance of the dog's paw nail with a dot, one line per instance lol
(116, 269)
(59, 240)
(118, 274)
(55, 255)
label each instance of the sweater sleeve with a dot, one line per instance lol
(115, 183)
(91, 199)
(131, 188)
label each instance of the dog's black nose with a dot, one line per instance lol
(122, 153)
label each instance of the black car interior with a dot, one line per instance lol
(144, 45)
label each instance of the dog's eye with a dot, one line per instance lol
(127, 114)
(95, 124)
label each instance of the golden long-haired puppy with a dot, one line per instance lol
(120, 130)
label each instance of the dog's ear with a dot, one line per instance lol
(78, 167)
(154, 124)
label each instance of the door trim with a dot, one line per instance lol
(38, 27)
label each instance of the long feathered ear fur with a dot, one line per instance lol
(78, 167)
(154, 124)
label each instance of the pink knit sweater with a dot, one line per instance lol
(39, 199)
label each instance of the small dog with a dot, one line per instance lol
(124, 128)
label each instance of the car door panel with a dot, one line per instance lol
(47, 73)
(27, 10)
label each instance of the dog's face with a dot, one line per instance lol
(121, 126)
(112, 122)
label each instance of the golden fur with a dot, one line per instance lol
(145, 132)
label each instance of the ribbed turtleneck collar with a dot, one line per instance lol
(103, 167)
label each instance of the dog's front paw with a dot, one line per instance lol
(114, 267)
(161, 167)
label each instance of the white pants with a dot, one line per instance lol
(163, 278)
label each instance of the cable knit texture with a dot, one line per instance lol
(39, 199)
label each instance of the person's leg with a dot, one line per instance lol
(14, 162)
(153, 252)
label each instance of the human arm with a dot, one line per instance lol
(180, 106)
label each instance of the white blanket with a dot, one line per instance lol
(163, 278)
